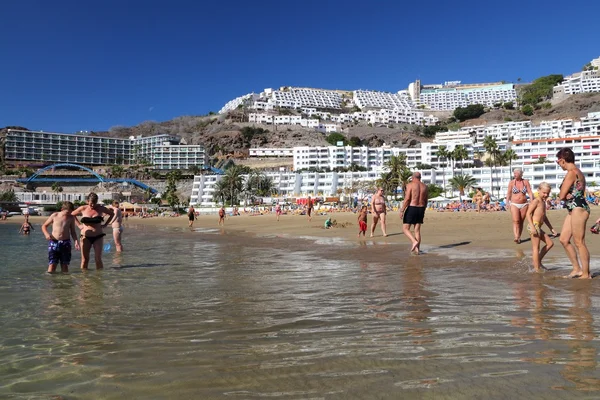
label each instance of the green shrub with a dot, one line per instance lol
(527, 109)
(469, 112)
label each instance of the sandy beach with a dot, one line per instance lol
(470, 230)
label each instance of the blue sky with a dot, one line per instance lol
(82, 65)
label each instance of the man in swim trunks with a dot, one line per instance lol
(191, 216)
(413, 210)
(117, 226)
(59, 244)
(309, 208)
(378, 210)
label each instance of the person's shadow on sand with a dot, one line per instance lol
(451, 245)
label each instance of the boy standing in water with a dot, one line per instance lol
(59, 244)
(362, 221)
(536, 216)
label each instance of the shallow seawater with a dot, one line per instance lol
(214, 315)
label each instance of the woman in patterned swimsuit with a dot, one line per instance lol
(518, 189)
(572, 191)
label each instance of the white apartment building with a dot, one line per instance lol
(362, 184)
(451, 96)
(579, 82)
(267, 119)
(328, 128)
(379, 107)
(168, 156)
(235, 103)
(49, 197)
(332, 157)
(370, 99)
(48, 148)
(271, 152)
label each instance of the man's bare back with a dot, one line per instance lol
(413, 210)
(417, 193)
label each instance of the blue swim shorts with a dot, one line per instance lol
(59, 252)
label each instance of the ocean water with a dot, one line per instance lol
(212, 315)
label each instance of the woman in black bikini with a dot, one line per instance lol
(572, 191)
(91, 229)
(191, 216)
(516, 198)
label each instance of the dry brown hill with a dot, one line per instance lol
(573, 107)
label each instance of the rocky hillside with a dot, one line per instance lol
(221, 134)
(574, 107)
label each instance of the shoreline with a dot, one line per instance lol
(469, 230)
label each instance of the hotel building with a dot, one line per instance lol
(376, 107)
(161, 151)
(579, 82)
(362, 184)
(452, 95)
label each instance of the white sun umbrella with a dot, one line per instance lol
(439, 198)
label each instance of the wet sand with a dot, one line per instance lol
(470, 230)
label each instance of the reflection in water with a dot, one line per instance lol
(414, 296)
(582, 360)
(215, 316)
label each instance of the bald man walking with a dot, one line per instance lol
(413, 211)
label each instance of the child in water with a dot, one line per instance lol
(59, 243)
(536, 217)
(362, 221)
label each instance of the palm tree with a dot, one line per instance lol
(510, 155)
(460, 154)
(391, 179)
(491, 147)
(541, 160)
(220, 191)
(258, 184)
(443, 153)
(477, 156)
(404, 179)
(56, 188)
(462, 183)
(234, 182)
(9, 196)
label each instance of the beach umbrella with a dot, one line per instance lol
(439, 198)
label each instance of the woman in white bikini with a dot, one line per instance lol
(516, 198)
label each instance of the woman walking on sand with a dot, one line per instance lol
(572, 192)
(516, 199)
